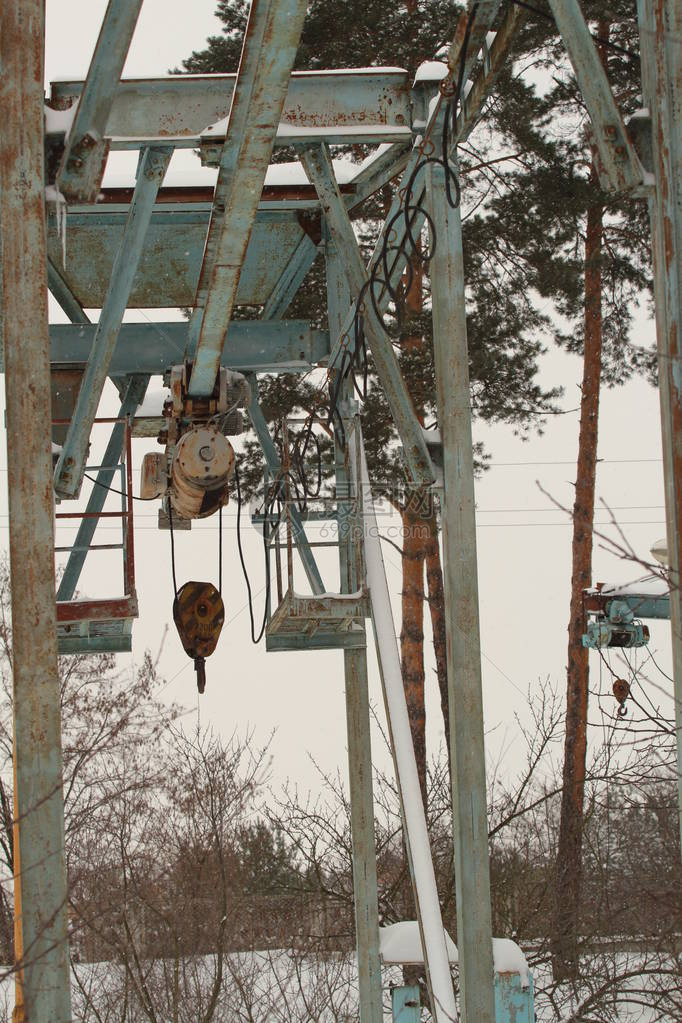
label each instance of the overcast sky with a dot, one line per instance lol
(523, 541)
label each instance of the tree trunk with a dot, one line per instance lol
(413, 546)
(436, 601)
(564, 936)
(412, 636)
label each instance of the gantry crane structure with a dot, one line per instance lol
(245, 243)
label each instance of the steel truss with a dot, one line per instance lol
(245, 242)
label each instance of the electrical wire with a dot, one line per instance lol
(172, 546)
(403, 223)
(255, 639)
(115, 491)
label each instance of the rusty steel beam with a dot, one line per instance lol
(619, 166)
(85, 155)
(366, 104)
(268, 53)
(43, 954)
(660, 26)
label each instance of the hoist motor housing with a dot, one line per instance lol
(616, 628)
(201, 466)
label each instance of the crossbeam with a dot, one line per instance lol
(289, 346)
(177, 108)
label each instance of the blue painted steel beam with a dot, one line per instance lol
(620, 169)
(168, 270)
(513, 1003)
(274, 465)
(406, 1004)
(318, 167)
(387, 166)
(134, 395)
(346, 336)
(278, 346)
(70, 467)
(180, 107)
(268, 53)
(64, 296)
(451, 362)
(290, 280)
(85, 155)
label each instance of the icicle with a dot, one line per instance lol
(52, 194)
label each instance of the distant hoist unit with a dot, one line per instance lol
(615, 627)
(192, 475)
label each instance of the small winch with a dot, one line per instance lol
(199, 614)
(617, 628)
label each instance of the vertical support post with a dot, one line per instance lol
(365, 890)
(660, 27)
(405, 1004)
(39, 809)
(472, 872)
(513, 1003)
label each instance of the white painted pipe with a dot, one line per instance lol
(416, 834)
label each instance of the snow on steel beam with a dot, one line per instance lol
(268, 53)
(281, 346)
(178, 108)
(82, 166)
(69, 471)
(620, 169)
(318, 167)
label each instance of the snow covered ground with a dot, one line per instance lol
(281, 986)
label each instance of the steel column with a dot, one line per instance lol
(39, 808)
(69, 471)
(660, 26)
(85, 154)
(270, 44)
(318, 167)
(134, 395)
(365, 891)
(273, 463)
(451, 359)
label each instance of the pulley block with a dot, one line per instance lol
(199, 614)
